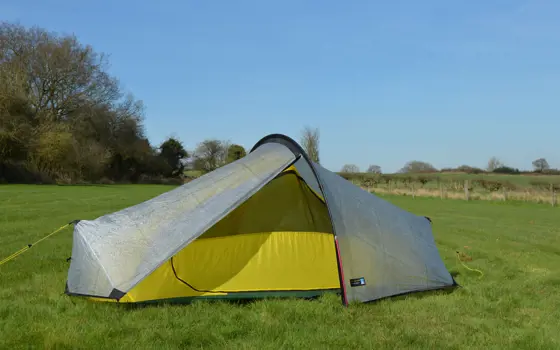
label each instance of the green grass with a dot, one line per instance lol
(516, 304)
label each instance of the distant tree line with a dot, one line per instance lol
(540, 166)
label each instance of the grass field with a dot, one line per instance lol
(518, 180)
(515, 305)
(523, 188)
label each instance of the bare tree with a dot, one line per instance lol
(417, 166)
(350, 168)
(61, 75)
(541, 165)
(210, 154)
(310, 143)
(374, 169)
(494, 163)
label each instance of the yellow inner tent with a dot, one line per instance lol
(280, 239)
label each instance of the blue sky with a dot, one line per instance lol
(447, 82)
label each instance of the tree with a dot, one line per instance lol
(350, 168)
(374, 169)
(210, 154)
(235, 152)
(506, 170)
(540, 165)
(469, 169)
(60, 74)
(417, 166)
(52, 151)
(310, 143)
(494, 163)
(173, 153)
(15, 130)
(62, 116)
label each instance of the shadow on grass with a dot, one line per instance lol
(181, 302)
(418, 294)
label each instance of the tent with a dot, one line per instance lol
(272, 223)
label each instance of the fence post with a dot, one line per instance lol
(467, 190)
(552, 195)
(505, 194)
(412, 187)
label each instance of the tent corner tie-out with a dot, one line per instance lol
(30, 245)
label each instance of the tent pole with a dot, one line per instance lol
(340, 273)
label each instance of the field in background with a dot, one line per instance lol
(485, 186)
(526, 188)
(518, 180)
(516, 304)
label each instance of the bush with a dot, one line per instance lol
(159, 180)
(23, 172)
(470, 170)
(493, 185)
(386, 179)
(506, 170)
(424, 179)
(463, 169)
(368, 182)
(406, 180)
(489, 185)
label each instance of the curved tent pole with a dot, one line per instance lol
(297, 150)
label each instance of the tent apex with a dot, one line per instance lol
(284, 140)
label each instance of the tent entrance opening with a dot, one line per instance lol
(280, 239)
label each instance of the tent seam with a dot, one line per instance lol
(213, 222)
